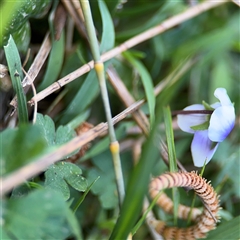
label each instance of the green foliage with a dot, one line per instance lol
(227, 230)
(43, 214)
(62, 135)
(104, 169)
(19, 146)
(14, 64)
(147, 83)
(59, 175)
(54, 64)
(172, 157)
(18, 25)
(188, 61)
(108, 34)
(85, 96)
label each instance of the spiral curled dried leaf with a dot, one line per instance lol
(205, 221)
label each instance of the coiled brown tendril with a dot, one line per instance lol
(204, 220)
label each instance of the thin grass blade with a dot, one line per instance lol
(147, 83)
(15, 69)
(172, 157)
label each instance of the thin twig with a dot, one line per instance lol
(164, 26)
(237, 2)
(74, 13)
(35, 105)
(34, 94)
(127, 99)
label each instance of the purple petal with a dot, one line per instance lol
(223, 97)
(201, 148)
(216, 105)
(221, 123)
(186, 121)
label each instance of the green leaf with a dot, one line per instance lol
(74, 123)
(108, 34)
(47, 128)
(207, 106)
(171, 157)
(6, 12)
(147, 83)
(80, 200)
(105, 187)
(55, 138)
(54, 63)
(86, 94)
(63, 134)
(59, 175)
(227, 157)
(15, 68)
(200, 127)
(226, 230)
(16, 14)
(138, 184)
(22, 37)
(170, 139)
(20, 146)
(43, 214)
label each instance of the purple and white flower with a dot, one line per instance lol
(208, 130)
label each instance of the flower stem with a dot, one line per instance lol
(185, 112)
(99, 68)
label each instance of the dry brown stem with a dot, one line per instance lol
(75, 12)
(237, 2)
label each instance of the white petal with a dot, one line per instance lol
(221, 123)
(223, 97)
(201, 148)
(186, 121)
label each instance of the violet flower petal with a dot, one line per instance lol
(201, 148)
(221, 123)
(185, 122)
(221, 94)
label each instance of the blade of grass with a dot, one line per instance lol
(108, 35)
(147, 83)
(227, 230)
(144, 216)
(172, 157)
(15, 69)
(80, 200)
(55, 63)
(138, 182)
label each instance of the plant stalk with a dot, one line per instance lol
(99, 68)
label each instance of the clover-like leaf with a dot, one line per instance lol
(62, 174)
(105, 188)
(54, 137)
(43, 214)
(19, 146)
